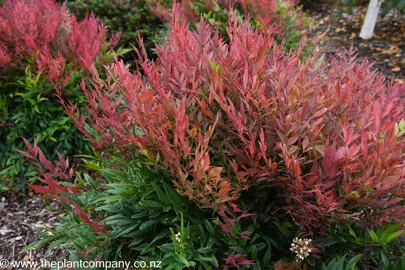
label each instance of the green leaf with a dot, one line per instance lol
(90, 181)
(110, 199)
(160, 236)
(328, 241)
(119, 220)
(267, 256)
(173, 196)
(149, 248)
(238, 249)
(373, 236)
(392, 228)
(136, 241)
(33, 245)
(139, 215)
(214, 261)
(147, 224)
(125, 231)
(111, 174)
(151, 203)
(167, 248)
(210, 228)
(161, 194)
(386, 263)
(108, 208)
(183, 260)
(283, 227)
(393, 236)
(254, 252)
(204, 259)
(204, 250)
(352, 262)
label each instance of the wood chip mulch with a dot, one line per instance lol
(386, 48)
(20, 216)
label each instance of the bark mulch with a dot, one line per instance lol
(20, 216)
(386, 48)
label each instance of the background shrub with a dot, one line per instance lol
(150, 18)
(128, 17)
(42, 48)
(265, 147)
(288, 22)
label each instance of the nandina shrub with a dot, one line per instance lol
(253, 136)
(43, 47)
(290, 25)
(232, 122)
(49, 35)
(126, 211)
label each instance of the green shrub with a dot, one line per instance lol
(31, 110)
(126, 16)
(43, 51)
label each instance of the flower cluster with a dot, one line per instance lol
(301, 247)
(177, 235)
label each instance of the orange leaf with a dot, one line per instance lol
(224, 188)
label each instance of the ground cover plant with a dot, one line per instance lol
(234, 155)
(43, 48)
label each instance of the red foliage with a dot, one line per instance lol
(236, 260)
(221, 118)
(47, 33)
(264, 11)
(51, 175)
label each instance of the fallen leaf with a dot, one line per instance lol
(396, 69)
(338, 30)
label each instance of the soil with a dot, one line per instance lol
(20, 216)
(386, 48)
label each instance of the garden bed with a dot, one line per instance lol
(387, 48)
(20, 216)
(23, 214)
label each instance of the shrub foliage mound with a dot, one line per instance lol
(151, 17)
(223, 119)
(42, 47)
(126, 16)
(237, 148)
(289, 24)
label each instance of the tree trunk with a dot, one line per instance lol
(371, 18)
